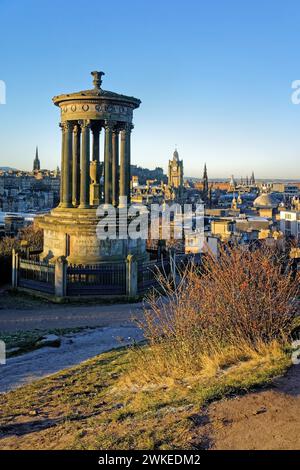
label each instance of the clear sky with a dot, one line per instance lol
(214, 77)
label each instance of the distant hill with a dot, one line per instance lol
(7, 168)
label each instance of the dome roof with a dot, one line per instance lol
(265, 200)
(96, 93)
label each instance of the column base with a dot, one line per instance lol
(84, 206)
(123, 201)
(66, 205)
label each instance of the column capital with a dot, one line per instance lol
(66, 126)
(127, 127)
(110, 125)
(85, 124)
(116, 130)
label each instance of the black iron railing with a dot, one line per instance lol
(37, 275)
(96, 280)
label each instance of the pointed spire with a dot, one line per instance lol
(36, 162)
(205, 184)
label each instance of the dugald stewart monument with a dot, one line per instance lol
(70, 229)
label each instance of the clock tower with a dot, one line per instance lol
(175, 172)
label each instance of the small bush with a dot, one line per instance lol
(229, 312)
(31, 234)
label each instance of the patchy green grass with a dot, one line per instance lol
(101, 404)
(26, 341)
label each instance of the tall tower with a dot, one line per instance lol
(175, 172)
(232, 184)
(205, 184)
(36, 161)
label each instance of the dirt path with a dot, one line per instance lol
(48, 316)
(268, 419)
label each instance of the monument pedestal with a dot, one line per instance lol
(72, 233)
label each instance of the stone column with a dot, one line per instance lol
(67, 165)
(128, 161)
(96, 141)
(62, 163)
(115, 167)
(108, 162)
(122, 192)
(85, 165)
(95, 166)
(125, 164)
(76, 166)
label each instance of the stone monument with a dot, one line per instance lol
(70, 228)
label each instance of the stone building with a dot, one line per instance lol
(28, 192)
(266, 204)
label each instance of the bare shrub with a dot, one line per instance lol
(227, 311)
(33, 235)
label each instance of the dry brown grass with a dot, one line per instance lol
(236, 309)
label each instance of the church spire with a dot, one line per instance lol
(205, 184)
(36, 161)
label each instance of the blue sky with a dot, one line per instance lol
(214, 78)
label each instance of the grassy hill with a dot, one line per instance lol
(105, 404)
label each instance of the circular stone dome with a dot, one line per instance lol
(265, 200)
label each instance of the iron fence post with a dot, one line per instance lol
(131, 276)
(60, 277)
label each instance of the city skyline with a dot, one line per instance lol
(208, 85)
